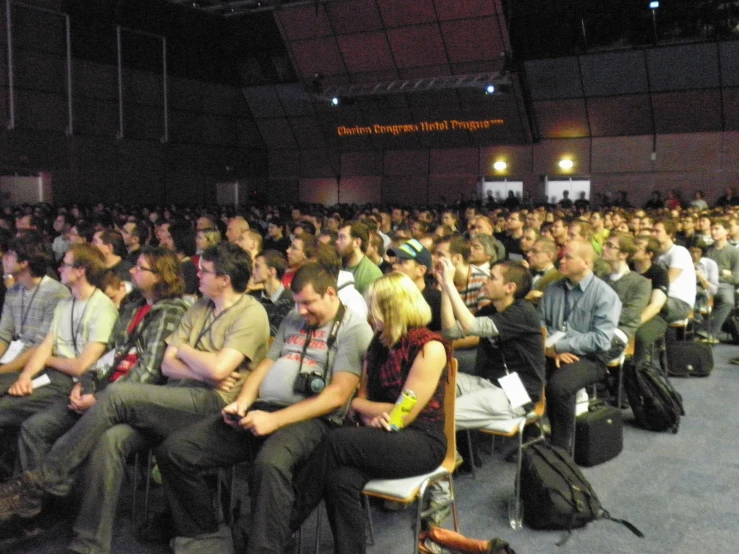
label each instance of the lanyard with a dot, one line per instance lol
(25, 311)
(79, 323)
(207, 327)
(569, 310)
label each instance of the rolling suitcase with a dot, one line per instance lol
(599, 435)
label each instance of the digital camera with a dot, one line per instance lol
(309, 383)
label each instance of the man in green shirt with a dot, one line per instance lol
(352, 245)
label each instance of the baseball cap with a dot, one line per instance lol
(412, 250)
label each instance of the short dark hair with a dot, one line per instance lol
(114, 239)
(669, 225)
(312, 273)
(183, 237)
(229, 259)
(518, 274)
(652, 245)
(275, 260)
(141, 230)
(327, 256)
(358, 230)
(32, 248)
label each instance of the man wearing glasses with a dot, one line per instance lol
(135, 355)
(219, 339)
(79, 331)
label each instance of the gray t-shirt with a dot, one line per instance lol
(347, 354)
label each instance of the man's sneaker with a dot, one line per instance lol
(21, 497)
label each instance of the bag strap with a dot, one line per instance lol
(630, 526)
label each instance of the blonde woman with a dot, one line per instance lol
(403, 356)
(205, 238)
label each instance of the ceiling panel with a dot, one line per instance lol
(459, 9)
(685, 112)
(417, 46)
(554, 78)
(276, 133)
(396, 13)
(307, 132)
(302, 23)
(366, 52)
(294, 99)
(729, 57)
(731, 109)
(614, 73)
(318, 56)
(472, 39)
(263, 101)
(620, 115)
(694, 66)
(561, 118)
(353, 17)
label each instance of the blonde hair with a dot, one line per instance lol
(395, 301)
(211, 236)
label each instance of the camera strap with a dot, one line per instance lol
(330, 341)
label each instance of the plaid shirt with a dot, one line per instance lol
(159, 323)
(26, 319)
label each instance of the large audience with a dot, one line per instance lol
(282, 336)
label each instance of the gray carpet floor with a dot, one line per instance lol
(681, 490)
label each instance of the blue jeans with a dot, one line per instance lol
(154, 410)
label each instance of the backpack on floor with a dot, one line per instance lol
(656, 404)
(555, 493)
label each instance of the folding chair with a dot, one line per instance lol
(413, 489)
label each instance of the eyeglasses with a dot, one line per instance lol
(65, 264)
(142, 268)
(611, 245)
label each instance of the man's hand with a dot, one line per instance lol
(233, 414)
(79, 402)
(260, 423)
(229, 382)
(561, 357)
(22, 387)
(444, 271)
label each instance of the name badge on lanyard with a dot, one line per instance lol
(14, 349)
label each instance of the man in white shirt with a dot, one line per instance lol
(680, 271)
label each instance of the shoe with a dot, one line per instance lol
(157, 528)
(21, 497)
(710, 340)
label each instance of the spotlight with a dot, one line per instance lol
(335, 101)
(500, 166)
(490, 89)
(566, 164)
(653, 5)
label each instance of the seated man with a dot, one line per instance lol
(414, 260)
(329, 258)
(512, 342)
(29, 304)
(580, 314)
(138, 344)
(220, 335)
(542, 256)
(652, 323)
(79, 331)
(633, 289)
(727, 259)
(680, 272)
(269, 267)
(281, 414)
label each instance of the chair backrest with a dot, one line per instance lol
(450, 423)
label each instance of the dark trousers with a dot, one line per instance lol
(187, 453)
(646, 337)
(344, 462)
(562, 386)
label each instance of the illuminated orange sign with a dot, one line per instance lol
(422, 127)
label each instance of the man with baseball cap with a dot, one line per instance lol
(414, 260)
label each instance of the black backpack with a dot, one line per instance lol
(657, 406)
(555, 493)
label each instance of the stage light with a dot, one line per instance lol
(566, 163)
(490, 89)
(335, 101)
(500, 166)
(653, 5)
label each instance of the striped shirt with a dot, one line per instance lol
(27, 314)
